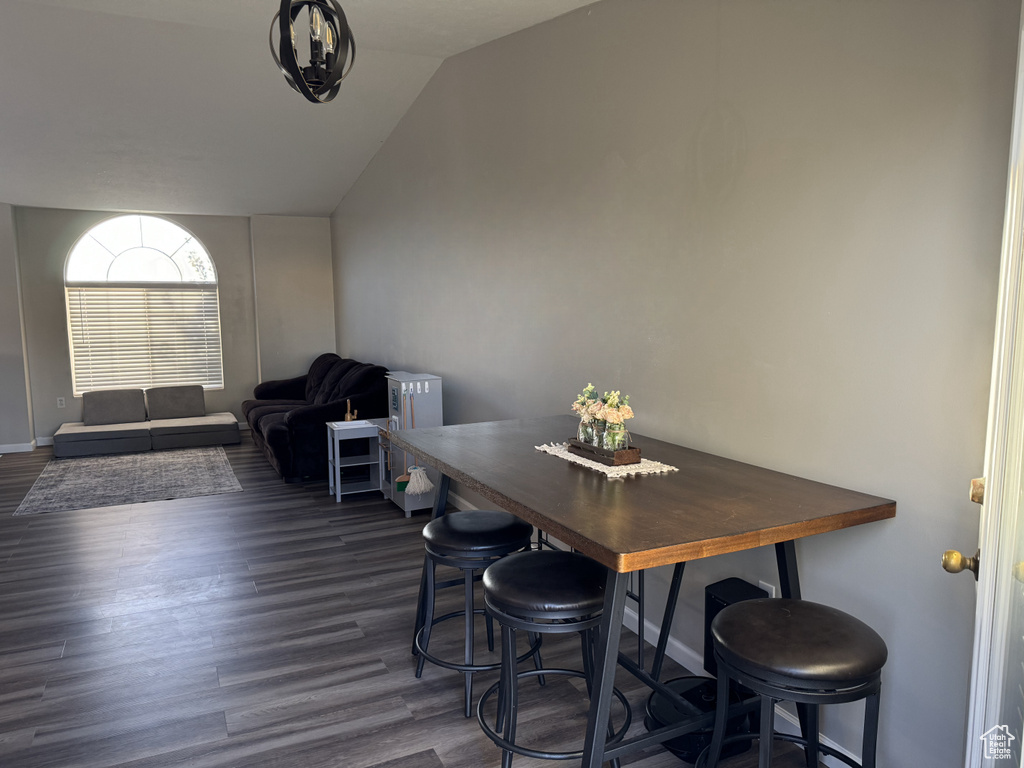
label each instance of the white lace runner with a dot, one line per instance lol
(645, 467)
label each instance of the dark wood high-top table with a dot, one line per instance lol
(709, 507)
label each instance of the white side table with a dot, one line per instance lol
(362, 429)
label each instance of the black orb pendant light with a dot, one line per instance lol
(332, 48)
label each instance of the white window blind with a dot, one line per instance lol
(144, 335)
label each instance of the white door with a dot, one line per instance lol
(996, 716)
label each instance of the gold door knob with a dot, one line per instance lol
(954, 562)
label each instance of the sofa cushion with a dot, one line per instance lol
(357, 379)
(77, 431)
(113, 406)
(211, 429)
(319, 369)
(252, 409)
(214, 422)
(178, 402)
(196, 439)
(255, 410)
(102, 447)
(268, 420)
(329, 386)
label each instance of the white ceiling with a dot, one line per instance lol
(176, 106)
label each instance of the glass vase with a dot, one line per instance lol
(591, 432)
(615, 437)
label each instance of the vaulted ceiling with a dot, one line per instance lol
(177, 106)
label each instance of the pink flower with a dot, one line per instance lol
(612, 415)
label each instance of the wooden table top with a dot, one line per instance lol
(709, 507)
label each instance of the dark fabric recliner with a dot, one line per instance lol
(287, 416)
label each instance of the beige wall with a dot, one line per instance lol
(776, 225)
(45, 236)
(294, 285)
(287, 259)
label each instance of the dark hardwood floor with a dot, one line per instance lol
(264, 628)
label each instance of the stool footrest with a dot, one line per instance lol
(460, 666)
(534, 753)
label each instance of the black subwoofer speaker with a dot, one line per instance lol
(716, 597)
(699, 693)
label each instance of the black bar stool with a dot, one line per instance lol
(796, 650)
(542, 592)
(469, 541)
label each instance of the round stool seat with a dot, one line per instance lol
(548, 584)
(798, 644)
(476, 533)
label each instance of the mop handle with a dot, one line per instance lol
(412, 412)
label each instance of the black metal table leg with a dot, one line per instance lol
(640, 618)
(789, 578)
(666, 621)
(607, 661)
(789, 583)
(441, 497)
(635, 591)
(421, 607)
(440, 505)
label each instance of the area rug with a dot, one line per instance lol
(131, 478)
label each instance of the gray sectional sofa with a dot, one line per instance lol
(130, 420)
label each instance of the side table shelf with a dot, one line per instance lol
(366, 476)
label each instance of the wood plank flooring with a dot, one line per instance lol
(268, 628)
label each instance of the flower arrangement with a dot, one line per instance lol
(587, 406)
(616, 408)
(602, 418)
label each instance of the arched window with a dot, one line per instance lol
(142, 307)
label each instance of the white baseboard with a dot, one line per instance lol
(18, 447)
(459, 502)
(786, 722)
(675, 649)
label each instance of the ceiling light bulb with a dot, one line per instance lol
(328, 38)
(316, 23)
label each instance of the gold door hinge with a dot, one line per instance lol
(978, 490)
